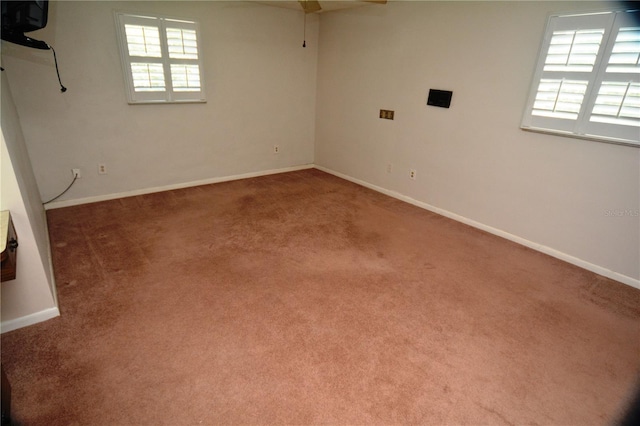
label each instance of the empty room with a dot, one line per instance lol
(320, 212)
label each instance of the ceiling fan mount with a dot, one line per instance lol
(314, 6)
(310, 6)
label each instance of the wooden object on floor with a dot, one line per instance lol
(6, 399)
(9, 246)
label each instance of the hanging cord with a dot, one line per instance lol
(304, 34)
(55, 59)
(75, 177)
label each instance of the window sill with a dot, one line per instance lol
(625, 142)
(195, 101)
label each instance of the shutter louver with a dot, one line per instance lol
(570, 53)
(573, 50)
(183, 48)
(148, 77)
(182, 43)
(185, 78)
(625, 56)
(617, 103)
(143, 41)
(618, 98)
(559, 98)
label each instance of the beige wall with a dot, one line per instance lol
(260, 86)
(557, 194)
(29, 298)
(320, 104)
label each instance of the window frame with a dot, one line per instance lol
(582, 127)
(161, 22)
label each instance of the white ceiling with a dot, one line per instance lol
(327, 6)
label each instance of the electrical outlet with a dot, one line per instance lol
(76, 173)
(412, 174)
(386, 114)
(102, 169)
(276, 149)
(389, 168)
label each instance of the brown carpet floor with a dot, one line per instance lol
(301, 298)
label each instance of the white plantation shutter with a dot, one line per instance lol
(559, 98)
(185, 78)
(625, 56)
(587, 82)
(617, 103)
(143, 41)
(614, 110)
(161, 59)
(182, 43)
(147, 77)
(573, 50)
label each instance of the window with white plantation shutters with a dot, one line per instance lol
(587, 81)
(161, 59)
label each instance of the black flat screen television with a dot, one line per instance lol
(19, 17)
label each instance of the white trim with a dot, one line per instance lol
(532, 245)
(52, 275)
(106, 197)
(633, 282)
(30, 319)
(613, 141)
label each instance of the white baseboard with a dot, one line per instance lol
(535, 246)
(106, 197)
(633, 282)
(30, 319)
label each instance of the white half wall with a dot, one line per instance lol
(575, 198)
(260, 87)
(31, 296)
